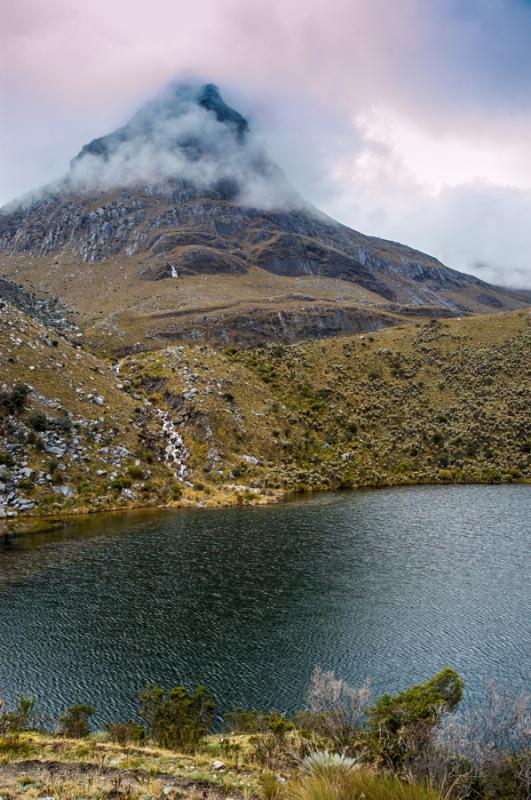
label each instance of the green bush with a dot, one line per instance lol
(177, 718)
(74, 723)
(121, 482)
(445, 475)
(13, 401)
(136, 473)
(23, 718)
(38, 422)
(400, 725)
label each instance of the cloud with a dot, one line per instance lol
(407, 106)
(175, 138)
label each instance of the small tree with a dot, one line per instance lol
(336, 709)
(23, 718)
(399, 727)
(177, 718)
(74, 723)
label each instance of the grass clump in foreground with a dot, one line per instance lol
(343, 746)
(349, 784)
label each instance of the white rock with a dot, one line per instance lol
(66, 491)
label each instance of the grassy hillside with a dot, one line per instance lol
(433, 401)
(137, 311)
(436, 401)
(71, 439)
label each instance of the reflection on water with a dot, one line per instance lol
(391, 584)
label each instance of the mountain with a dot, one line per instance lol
(195, 234)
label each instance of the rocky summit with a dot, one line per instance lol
(197, 235)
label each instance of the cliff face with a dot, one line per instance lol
(183, 190)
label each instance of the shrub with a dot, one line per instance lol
(6, 459)
(38, 422)
(398, 727)
(177, 718)
(121, 482)
(487, 748)
(23, 718)
(74, 723)
(125, 732)
(176, 491)
(57, 476)
(323, 761)
(242, 720)
(275, 749)
(136, 473)
(336, 709)
(62, 423)
(445, 475)
(13, 400)
(349, 784)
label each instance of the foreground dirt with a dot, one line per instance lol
(36, 766)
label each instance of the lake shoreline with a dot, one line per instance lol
(45, 523)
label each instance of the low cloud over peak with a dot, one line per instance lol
(186, 134)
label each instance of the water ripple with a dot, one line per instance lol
(392, 584)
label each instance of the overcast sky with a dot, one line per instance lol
(407, 119)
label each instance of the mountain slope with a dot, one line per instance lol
(443, 401)
(181, 205)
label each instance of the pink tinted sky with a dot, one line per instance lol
(404, 118)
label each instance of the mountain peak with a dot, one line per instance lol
(187, 136)
(209, 97)
(170, 113)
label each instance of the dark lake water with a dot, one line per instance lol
(392, 584)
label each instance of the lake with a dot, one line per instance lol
(392, 584)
